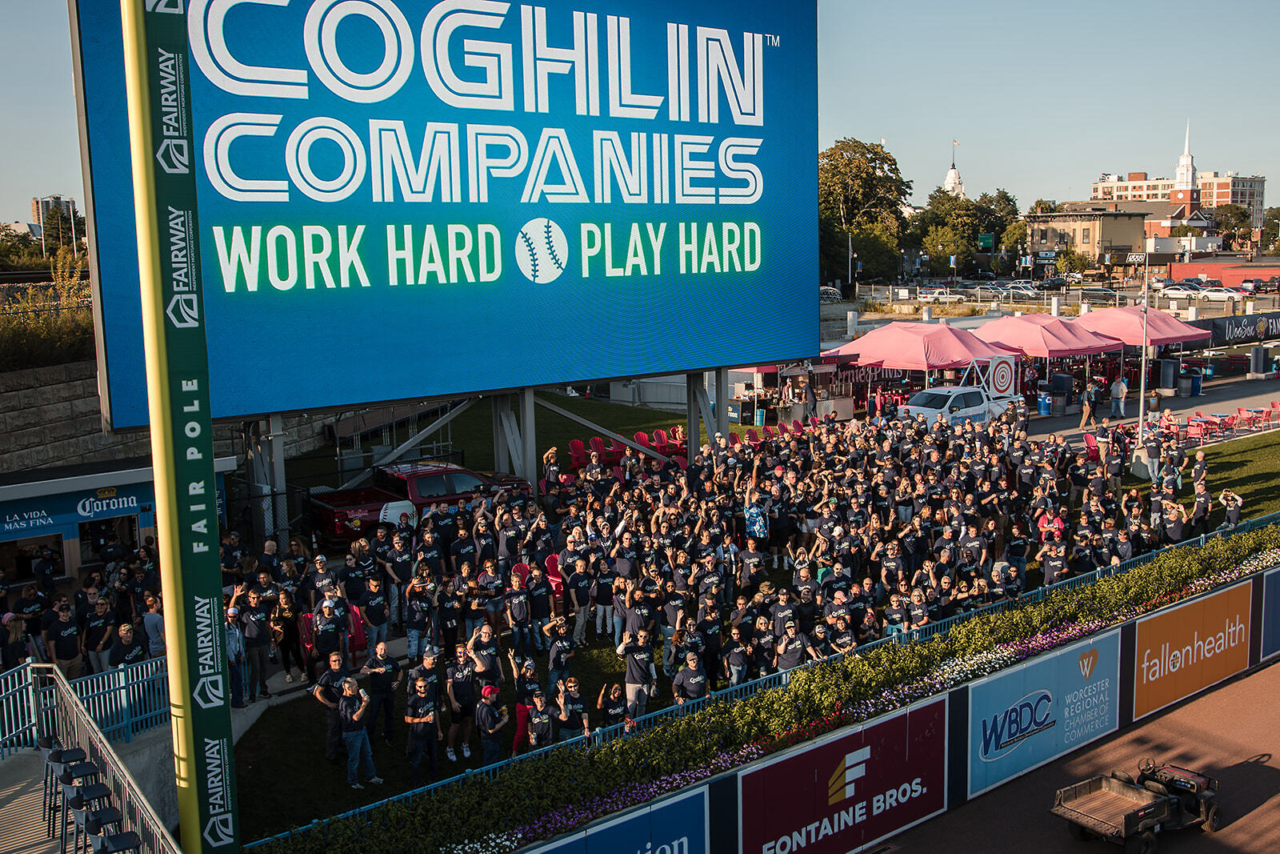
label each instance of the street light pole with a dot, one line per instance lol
(1142, 379)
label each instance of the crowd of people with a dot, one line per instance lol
(742, 561)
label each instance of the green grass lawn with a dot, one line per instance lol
(282, 777)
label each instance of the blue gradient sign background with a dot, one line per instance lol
(1024, 717)
(672, 148)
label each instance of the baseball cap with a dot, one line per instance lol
(489, 691)
(529, 665)
(233, 612)
(790, 624)
(430, 652)
(328, 603)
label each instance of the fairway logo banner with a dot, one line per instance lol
(1031, 714)
(1188, 648)
(806, 800)
(853, 767)
(219, 829)
(356, 161)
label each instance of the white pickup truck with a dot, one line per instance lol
(955, 403)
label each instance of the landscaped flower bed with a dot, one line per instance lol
(543, 797)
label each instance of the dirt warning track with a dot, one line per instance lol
(1232, 732)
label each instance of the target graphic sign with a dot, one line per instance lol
(1000, 376)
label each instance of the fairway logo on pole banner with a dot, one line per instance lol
(852, 767)
(220, 828)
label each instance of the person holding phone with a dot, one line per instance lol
(351, 708)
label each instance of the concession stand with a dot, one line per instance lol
(1125, 324)
(1053, 341)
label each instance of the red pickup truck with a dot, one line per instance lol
(350, 514)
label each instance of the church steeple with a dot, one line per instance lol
(952, 183)
(1186, 190)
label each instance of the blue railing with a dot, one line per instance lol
(777, 680)
(123, 703)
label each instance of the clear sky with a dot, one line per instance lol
(1043, 97)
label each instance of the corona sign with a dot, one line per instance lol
(404, 199)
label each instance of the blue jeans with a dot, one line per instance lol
(619, 623)
(603, 615)
(358, 752)
(417, 639)
(375, 634)
(539, 639)
(470, 625)
(737, 674)
(237, 683)
(521, 641)
(395, 595)
(554, 675)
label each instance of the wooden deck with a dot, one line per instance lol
(21, 787)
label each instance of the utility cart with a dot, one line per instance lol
(1119, 809)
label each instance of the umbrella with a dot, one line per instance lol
(1044, 336)
(1124, 323)
(919, 347)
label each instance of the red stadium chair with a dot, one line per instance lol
(522, 570)
(797, 427)
(682, 462)
(769, 433)
(1091, 447)
(618, 473)
(753, 438)
(814, 422)
(555, 578)
(660, 442)
(577, 454)
(597, 445)
(616, 452)
(357, 641)
(733, 439)
(1197, 430)
(642, 439)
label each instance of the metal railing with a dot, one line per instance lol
(122, 702)
(64, 717)
(776, 680)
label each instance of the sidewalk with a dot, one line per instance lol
(20, 793)
(1223, 395)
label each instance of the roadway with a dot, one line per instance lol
(1230, 733)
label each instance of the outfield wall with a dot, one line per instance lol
(856, 786)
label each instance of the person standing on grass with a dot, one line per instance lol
(461, 688)
(639, 679)
(384, 677)
(420, 715)
(327, 692)
(351, 710)
(490, 719)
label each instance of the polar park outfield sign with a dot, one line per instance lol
(402, 199)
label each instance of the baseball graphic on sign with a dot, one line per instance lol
(541, 250)
(1001, 376)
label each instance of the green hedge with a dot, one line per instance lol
(816, 700)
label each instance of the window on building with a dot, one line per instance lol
(1084, 236)
(1044, 235)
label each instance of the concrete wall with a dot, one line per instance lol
(51, 417)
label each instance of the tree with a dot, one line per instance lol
(1235, 224)
(1072, 261)
(1185, 230)
(1270, 229)
(859, 184)
(1044, 206)
(19, 251)
(59, 230)
(940, 243)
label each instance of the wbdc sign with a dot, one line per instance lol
(362, 164)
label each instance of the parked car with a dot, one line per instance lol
(1253, 286)
(985, 276)
(1054, 283)
(1095, 294)
(1220, 295)
(993, 292)
(1074, 277)
(940, 295)
(1182, 290)
(1270, 286)
(1022, 292)
(408, 488)
(955, 404)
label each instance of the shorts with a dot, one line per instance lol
(468, 711)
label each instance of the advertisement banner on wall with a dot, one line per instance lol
(1023, 717)
(849, 790)
(1271, 615)
(677, 825)
(1187, 648)
(435, 179)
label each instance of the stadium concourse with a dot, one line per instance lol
(1229, 733)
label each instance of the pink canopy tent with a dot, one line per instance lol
(1044, 336)
(919, 347)
(1124, 323)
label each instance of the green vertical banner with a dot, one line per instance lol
(177, 362)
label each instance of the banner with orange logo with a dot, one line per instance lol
(1185, 649)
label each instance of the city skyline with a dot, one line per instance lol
(1038, 101)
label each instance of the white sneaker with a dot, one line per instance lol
(374, 780)
(466, 752)
(288, 677)
(356, 786)
(453, 757)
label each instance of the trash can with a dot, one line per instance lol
(759, 416)
(1184, 385)
(1258, 360)
(1058, 405)
(1168, 373)
(1197, 382)
(1043, 403)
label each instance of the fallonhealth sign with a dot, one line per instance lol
(848, 791)
(674, 826)
(1024, 717)
(401, 198)
(1188, 648)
